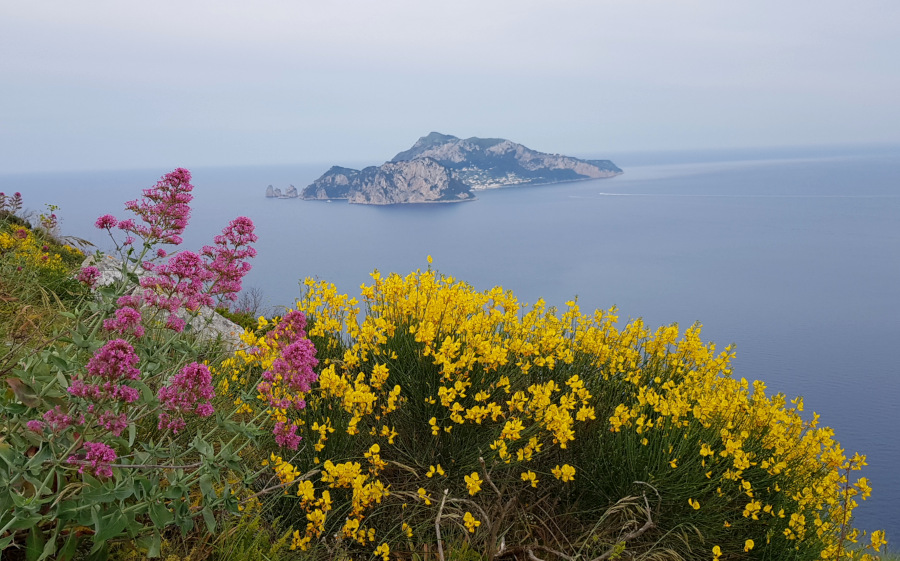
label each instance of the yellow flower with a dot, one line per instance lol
(717, 552)
(530, 476)
(423, 494)
(383, 550)
(694, 504)
(566, 473)
(473, 482)
(435, 470)
(407, 530)
(748, 545)
(878, 540)
(470, 522)
(673, 463)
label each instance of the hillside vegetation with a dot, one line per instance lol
(422, 420)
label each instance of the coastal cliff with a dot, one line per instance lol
(443, 168)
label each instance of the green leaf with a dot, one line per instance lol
(49, 548)
(111, 526)
(124, 490)
(63, 382)
(67, 553)
(23, 392)
(146, 393)
(132, 433)
(209, 519)
(206, 487)
(4, 543)
(36, 463)
(34, 544)
(160, 515)
(155, 545)
(9, 455)
(100, 551)
(203, 447)
(186, 524)
(59, 362)
(25, 522)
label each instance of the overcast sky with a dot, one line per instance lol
(111, 84)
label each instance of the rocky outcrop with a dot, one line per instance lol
(334, 184)
(416, 181)
(206, 323)
(276, 193)
(444, 168)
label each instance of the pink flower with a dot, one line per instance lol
(295, 366)
(180, 282)
(98, 456)
(127, 320)
(89, 276)
(35, 426)
(175, 323)
(164, 208)
(226, 261)
(291, 327)
(106, 222)
(114, 361)
(286, 435)
(189, 391)
(57, 420)
(113, 423)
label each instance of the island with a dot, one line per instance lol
(441, 168)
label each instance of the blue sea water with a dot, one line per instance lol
(794, 255)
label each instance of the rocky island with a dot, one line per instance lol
(441, 168)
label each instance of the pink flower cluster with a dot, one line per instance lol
(98, 457)
(180, 282)
(12, 204)
(112, 364)
(286, 435)
(127, 321)
(187, 279)
(292, 371)
(164, 209)
(189, 391)
(226, 258)
(88, 275)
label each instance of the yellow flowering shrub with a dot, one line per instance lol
(433, 397)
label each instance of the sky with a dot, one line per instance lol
(106, 84)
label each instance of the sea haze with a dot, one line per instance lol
(793, 256)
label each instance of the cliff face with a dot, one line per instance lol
(444, 168)
(416, 181)
(334, 184)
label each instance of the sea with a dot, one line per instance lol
(792, 254)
